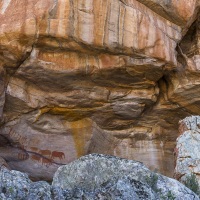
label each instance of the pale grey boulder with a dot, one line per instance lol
(189, 124)
(97, 176)
(16, 185)
(187, 149)
(40, 190)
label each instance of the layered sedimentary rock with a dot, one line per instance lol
(187, 149)
(178, 12)
(80, 76)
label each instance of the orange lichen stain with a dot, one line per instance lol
(41, 112)
(81, 132)
(70, 114)
(81, 126)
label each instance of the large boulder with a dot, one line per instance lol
(97, 176)
(187, 149)
(17, 185)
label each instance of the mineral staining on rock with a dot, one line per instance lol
(178, 12)
(96, 76)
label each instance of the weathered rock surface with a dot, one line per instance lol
(105, 177)
(17, 185)
(96, 76)
(178, 12)
(95, 176)
(187, 149)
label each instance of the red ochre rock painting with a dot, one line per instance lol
(47, 162)
(45, 156)
(23, 155)
(18, 139)
(36, 158)
(46, 153)
(57, 154)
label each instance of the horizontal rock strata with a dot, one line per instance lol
(79, 77)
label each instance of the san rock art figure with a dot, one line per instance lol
(57, 154)
(36, 158)
(46, 153)
(47, 162)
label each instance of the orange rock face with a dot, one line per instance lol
(178, 12)
(103, 76)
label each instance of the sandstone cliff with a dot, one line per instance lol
(103, 76)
